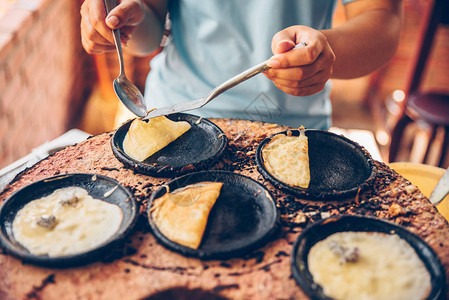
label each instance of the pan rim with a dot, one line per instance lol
(343, 223)
(272, 226)
(308, 193)
(166, 170)
(13, 204)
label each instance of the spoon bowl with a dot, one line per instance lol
(125, 90)
(130, 95)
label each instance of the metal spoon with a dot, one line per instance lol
(441, 190)
(125, 90)
(230, 83)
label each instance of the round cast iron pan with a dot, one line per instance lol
(338, 167)
(200, 147)
(326, 227)
(243, 218)
(96, 185)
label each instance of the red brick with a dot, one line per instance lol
(44, 4)
(4, 127)
(17, 56)
(33, 69)
(10, 93)
(44, 81)
(16, 20)
(2, 156)
(10, 146)
(2, 77)
(33, 37)
(6, 44)
(56, 13)
(31, 5)
(6, 159)
(17, 112)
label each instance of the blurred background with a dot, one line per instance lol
(49, 85)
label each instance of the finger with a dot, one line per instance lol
(93, 48)
(127, 13)
(324, 61)
(296, 73)
(282, 40)
(89, 33)
(318, 78)
(95, 42)
(297, 57)
(95, 16)
(304, 91)
(315, 42)
(127, 31)
(284, 46)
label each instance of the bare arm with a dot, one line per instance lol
(365, 42)
(368, 39)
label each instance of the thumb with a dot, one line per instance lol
(127, 13)
(283, 41)
(283, 46)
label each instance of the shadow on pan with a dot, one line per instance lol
(200, 147)
(338, 167)
(243, 218)
(326, 227)
(97, 186)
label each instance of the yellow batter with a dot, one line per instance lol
(182, 214)
(69, 221)
(368, 265)
(144, 138)
(287, 159)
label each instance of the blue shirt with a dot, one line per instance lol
(212, 41)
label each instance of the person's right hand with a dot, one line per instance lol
(96, 34)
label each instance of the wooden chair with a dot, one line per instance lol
(429, 107)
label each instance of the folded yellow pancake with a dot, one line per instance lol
(144, 138)
(182, 215)
(287, 159)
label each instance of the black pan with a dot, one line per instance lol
(326, 227)
(338, 167)
(243, 218)
(96, 185)
(200, 147)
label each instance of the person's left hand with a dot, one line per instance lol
(303, 71)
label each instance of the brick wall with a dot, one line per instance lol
(43, 78)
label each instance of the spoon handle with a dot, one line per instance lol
(185, 106)
(245, 75)
(109, 5)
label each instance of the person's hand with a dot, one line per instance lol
(96, 34)
(303, 71)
